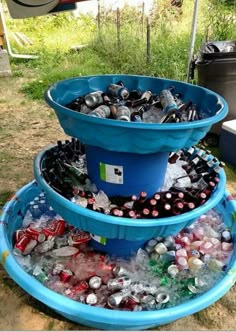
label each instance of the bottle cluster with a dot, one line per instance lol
(64, 168)
(118, 103)
(164, 273)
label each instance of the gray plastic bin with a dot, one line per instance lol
(216, 67)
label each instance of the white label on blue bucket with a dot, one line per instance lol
(111, 173)
(100, 239)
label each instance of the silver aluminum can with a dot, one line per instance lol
(95, 282)
(123, 113)
(162, 298)
(91, 299)
(94, 99)
(102, 111)
(118, 283)
(115, 299)
(120, 271)
(173, 270)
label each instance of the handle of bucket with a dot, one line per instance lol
(223, 105)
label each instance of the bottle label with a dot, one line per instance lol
(100, 239)
(111, 173)
(201, 184)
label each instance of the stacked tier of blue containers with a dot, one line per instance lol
(140, 151)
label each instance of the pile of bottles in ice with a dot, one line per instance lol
(118, 103)
(195, 175)
(165, 272)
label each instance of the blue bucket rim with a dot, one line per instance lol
(209, 121)
(95, 314)
(212, 202)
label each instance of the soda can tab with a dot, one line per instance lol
(119, 283)
(167, 101)
(115, 299)
(19, 234)
(76, 239)
(118, 91)
(20, 245)
(91, 299)
(94, 99)
(102, 111)
(120, 271)
(95, 282)
(65, 275)
(162, 298)
(123, 113)
(173, 270)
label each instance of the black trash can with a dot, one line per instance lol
(216, 67)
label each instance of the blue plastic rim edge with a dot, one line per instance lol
(220, 114)
(212, 202)
(91, 315)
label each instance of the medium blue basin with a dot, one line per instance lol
(117, 227)
(134, 137)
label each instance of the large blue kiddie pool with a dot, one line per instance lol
(100, 318)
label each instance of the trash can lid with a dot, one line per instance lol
(230, 126)
(218, 49)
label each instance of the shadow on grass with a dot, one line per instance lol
(4, 197)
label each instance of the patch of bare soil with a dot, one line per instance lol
(26, 127)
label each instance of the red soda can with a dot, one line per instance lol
(57, 227)
(35, 233)
(20, 245)
(80, 288)
(19, 234)
(65, 275)
(131, 302)
(76, 239)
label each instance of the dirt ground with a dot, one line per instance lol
(25, 128)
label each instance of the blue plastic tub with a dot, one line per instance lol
(117, 227)
(116, 247)
(125, 174)
(133, 137)
(100, 318)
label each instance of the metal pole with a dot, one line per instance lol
(193, 37)
(148, 39)
(99, 18)
(118, 28)
(13, 55)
